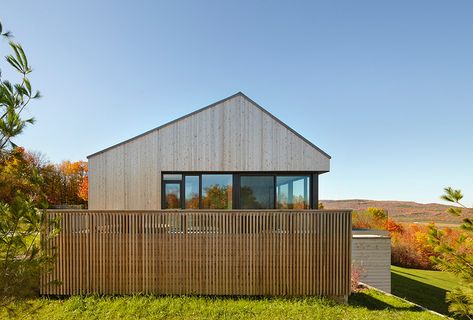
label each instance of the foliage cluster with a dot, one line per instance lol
(44, 182)
(371, 218)
(456, 256)
(410, 247)
(65, 183)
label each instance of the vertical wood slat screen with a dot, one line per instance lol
(264, 252)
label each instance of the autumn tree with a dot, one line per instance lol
(72, 177)
(84, 189)
(18, 174)
(66, 183)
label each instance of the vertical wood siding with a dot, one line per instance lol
(234, 135)
(269, 252)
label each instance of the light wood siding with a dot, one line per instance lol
(234, 135)
(265, 252)
(372, 253)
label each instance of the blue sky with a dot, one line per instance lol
(385, 87)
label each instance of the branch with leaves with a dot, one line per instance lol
(14, 98)
(22, 222)
(456, 256)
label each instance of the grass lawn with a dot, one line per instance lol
(368, 304)
(424, 287)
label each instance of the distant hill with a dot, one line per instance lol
(402, 211)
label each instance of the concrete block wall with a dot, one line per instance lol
(371, 251)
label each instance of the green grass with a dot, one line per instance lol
(424, 287)
(368, 304)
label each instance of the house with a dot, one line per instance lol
(232, 154)
(222, 201)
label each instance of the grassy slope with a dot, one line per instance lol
(364, 305)
(424, 287)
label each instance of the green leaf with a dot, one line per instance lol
(23, 56)
(16, 48)
(454, 211)
(27, 85)
(14, 63)
(30, 120)
(21, 90)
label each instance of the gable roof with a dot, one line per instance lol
(208, 107)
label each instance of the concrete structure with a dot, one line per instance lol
(371, 252)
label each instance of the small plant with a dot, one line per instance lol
(356, 273)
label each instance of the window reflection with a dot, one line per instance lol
(217, 191)
(257, 192)
(172, 195)
(292, 192)
(172, 176)
(191, 189)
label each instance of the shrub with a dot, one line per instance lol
(410, 247)
(356, 272)
(371, 218)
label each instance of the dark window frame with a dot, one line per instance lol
(312, 192)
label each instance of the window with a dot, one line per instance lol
(217, 191)
(292, 192)
(172, 177)
(194, 190)
(191, 188)
(257, 192)
(172, 195)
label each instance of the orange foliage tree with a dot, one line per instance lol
(43, 182)
(84, 189)
(19, 174)
(66, 183)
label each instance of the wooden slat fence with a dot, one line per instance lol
(264, 252)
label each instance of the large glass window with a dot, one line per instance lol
(191, 189)
(292, 192)
(217, 191)
(195, 190)
(257, 192)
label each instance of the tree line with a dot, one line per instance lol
(48, 184)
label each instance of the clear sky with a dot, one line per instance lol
(385, 87)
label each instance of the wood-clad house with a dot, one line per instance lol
(222, 201)
(232, 154)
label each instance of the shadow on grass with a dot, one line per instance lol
(361, 299)
(410, 274)
(423, 294)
